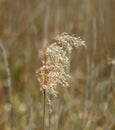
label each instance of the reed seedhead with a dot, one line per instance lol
(56, 63)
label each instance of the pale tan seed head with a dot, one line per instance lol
(56, 63)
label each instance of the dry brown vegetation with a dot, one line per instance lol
(26, 28)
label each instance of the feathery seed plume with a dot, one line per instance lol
(55, 64)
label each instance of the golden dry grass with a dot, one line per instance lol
(26, 27)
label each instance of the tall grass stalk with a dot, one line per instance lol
(46, 21)
(55, 69)
(49, 118)
(94, 36)
(9, 83)
(86, 10)
(44, 108)
(31, 115)
(58, 113)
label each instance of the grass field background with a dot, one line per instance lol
(26, 28)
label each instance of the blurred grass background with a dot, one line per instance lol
(26, 27)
